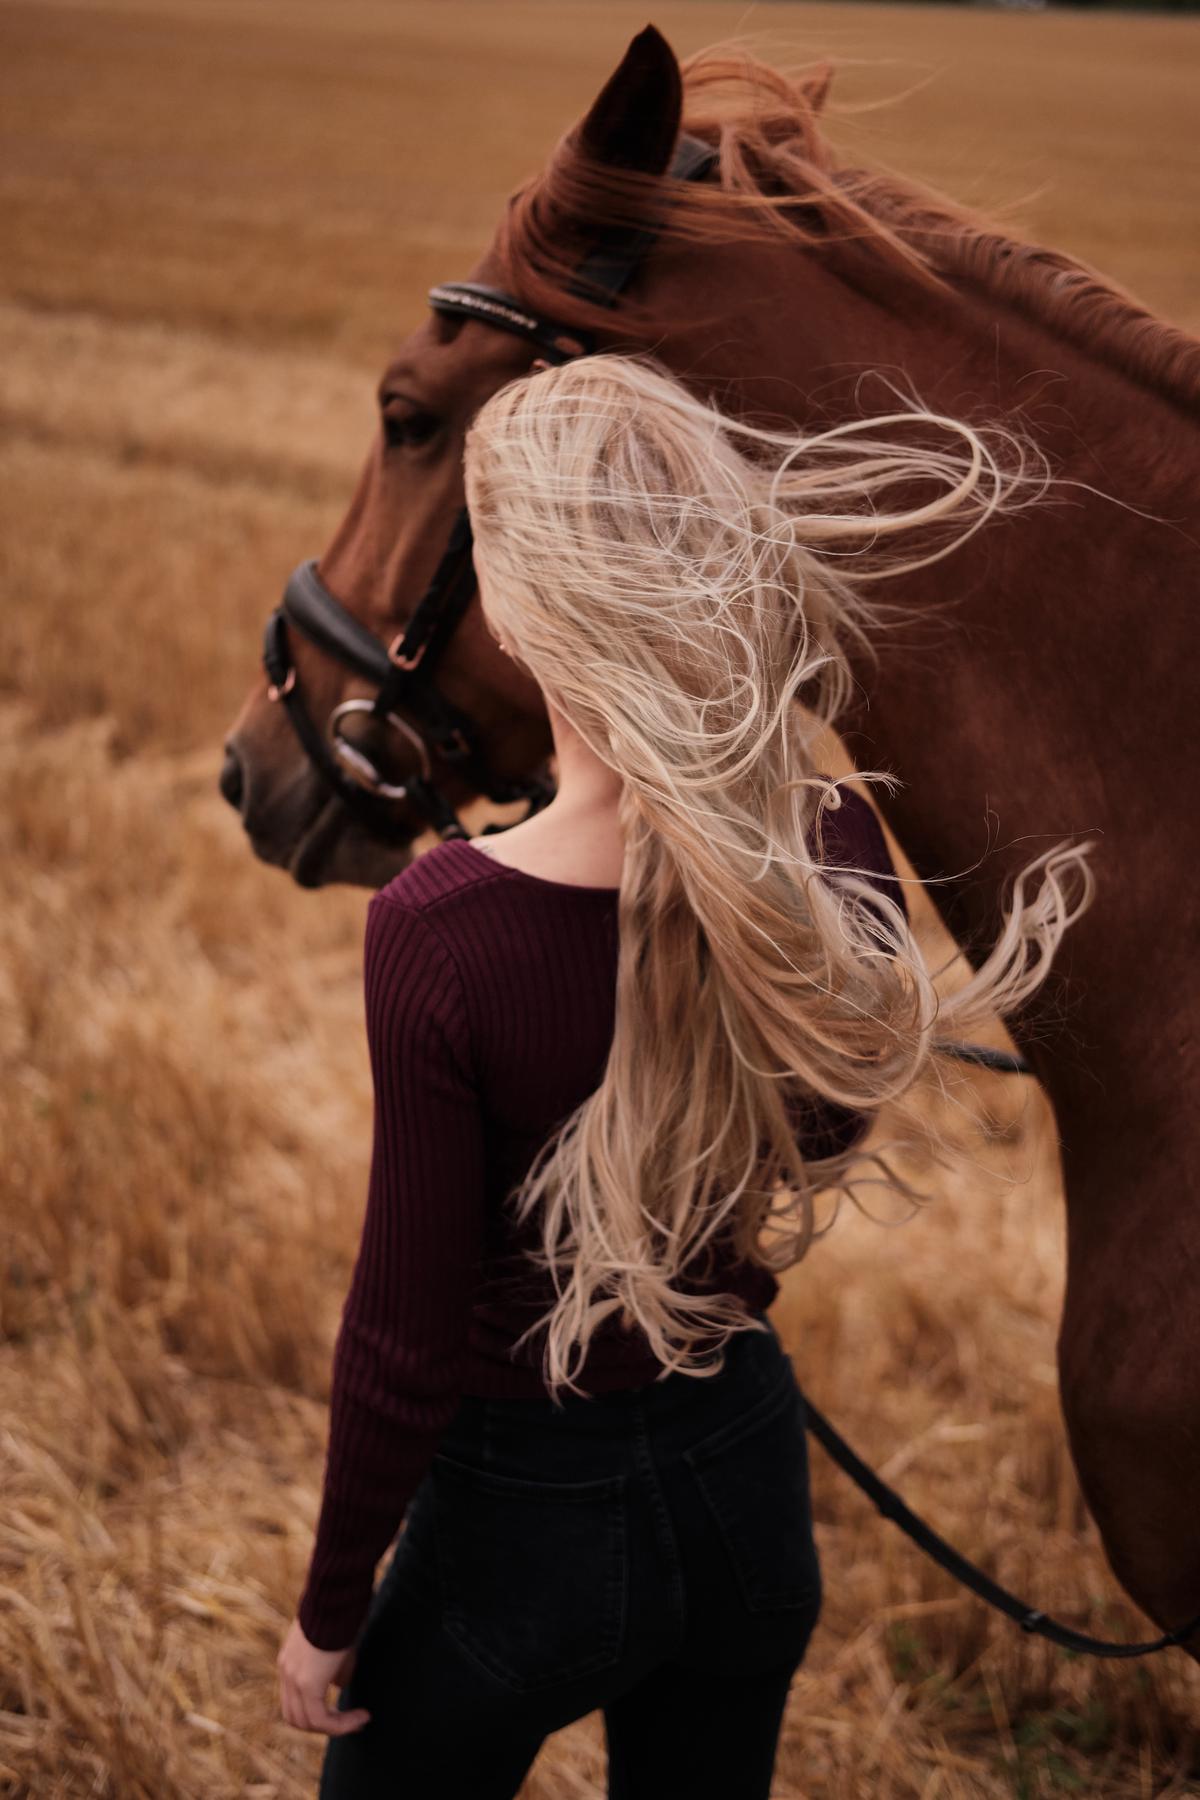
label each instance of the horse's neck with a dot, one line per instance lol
(826, 336)
(1014, 687)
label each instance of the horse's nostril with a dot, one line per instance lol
(231, 780)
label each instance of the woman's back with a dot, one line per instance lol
(490, 999)
(529, 1014)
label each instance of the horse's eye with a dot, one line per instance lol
(407, 428)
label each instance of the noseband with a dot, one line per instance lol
(408, 702)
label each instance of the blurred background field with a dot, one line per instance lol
(216, 219)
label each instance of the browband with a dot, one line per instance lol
(601, 277)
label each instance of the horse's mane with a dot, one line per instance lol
(779, 178)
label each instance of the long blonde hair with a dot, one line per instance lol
(675, 580)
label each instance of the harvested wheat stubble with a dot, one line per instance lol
(215, 222)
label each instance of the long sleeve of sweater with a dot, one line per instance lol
(402, 1344)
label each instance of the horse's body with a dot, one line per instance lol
(1041, 686)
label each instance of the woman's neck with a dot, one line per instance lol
(577, 837)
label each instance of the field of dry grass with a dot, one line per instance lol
(215, 218)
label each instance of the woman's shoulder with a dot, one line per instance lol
(455, 905)
(427, 917)
(437, 877)
(420, 962)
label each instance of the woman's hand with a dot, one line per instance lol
(304, 1677)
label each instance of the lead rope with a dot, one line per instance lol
(1005, 1062)
(1029, 1618)
(891, 1506)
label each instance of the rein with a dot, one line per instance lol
(1038, 1624)
(402, 672)
(888, 1502)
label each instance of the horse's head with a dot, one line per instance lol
(387, 704)
(771, 284)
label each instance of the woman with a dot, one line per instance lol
(616, 1054)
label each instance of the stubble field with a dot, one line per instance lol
(215, 221)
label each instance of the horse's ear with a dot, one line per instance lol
(634, 119)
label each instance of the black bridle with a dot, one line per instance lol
(408, 700)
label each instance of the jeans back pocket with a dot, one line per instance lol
(533, 1573)
(752, 1473)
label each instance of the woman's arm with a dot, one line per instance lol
(402, 1344)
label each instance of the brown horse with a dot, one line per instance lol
(1036, 684)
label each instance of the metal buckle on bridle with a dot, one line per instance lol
(358, 765)
(400, 661)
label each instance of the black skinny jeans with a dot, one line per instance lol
(649, 1552)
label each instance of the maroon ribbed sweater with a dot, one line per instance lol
(490, 999)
